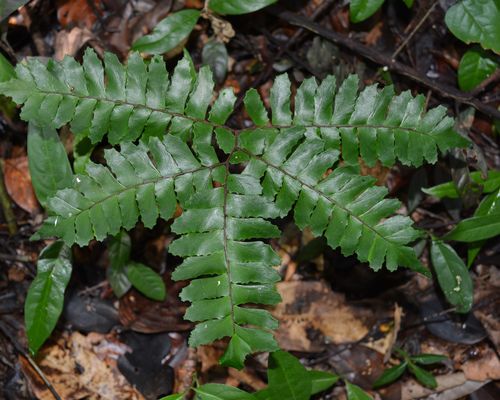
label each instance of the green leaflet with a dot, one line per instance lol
(354, 392)
(236, 7)
(423, 376)
(476, 21)
(168, 33)
(215, 55)
(475, 66)
(48, 163)
(485, 223)
(452, 275)
(217, 391)
(449, 189)
(390, 375)
(119, 256)
(489, 206)
(6, 69)
(363, 9)
(287, 377)
(146, 281)
(45, 299)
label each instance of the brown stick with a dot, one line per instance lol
(7, 205)
(385, 60)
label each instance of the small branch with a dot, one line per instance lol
(414, 30)
(15, 257)
(7, 205)
(32, 362)
(381, 59)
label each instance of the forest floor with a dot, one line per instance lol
(337, 314)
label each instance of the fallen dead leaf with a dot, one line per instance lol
(18, 183)
(486, 366)
(82, 13)
(311, 315)
(81, 367)
(69, 43)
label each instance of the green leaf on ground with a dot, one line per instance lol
(45, 299)
(169, 33)
(453, 276)
(475, 66)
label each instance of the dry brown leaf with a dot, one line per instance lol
(81, 367)
(69, 43)
(486, 366)
(312, 315)
(18, 183)
(82, 13)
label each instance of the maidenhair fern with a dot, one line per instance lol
(176, 149)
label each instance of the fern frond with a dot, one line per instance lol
(124, 101)
(372, 124)
(134, 185)
(348, 209)
(228, 267)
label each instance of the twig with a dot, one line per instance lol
(379, 58)
(32, 362)
(15, 257)
(264, 75)
(414, 30)
(6, 205)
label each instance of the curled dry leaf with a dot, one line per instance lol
(93, 356)
(311, 315)
(18, 183)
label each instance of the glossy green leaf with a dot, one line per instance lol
(321, 380)
(287, 377)
(168, 33)
(390, 375)
(216, 391)
(490, 206)
(475, 66)
(354, 392)
(423, 376)
(453, 276)
(236, 7)
(7, 71)
(48, 163)
(175, 396)
(427, 359)
(476, 21)
(214, 55)
(486, 225)
(409, 3)
(449, 189)
(364, 9)
(146, 281)
(45, 299)
(119, 256)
